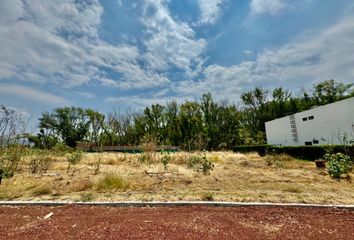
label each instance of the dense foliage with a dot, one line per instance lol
(203, 124)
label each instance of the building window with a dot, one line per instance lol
(315, 141)
(308, 143)
(311, 117)
(304, 119)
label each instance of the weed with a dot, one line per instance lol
(41, 190)
(97, 164)
(207, 196)
(61, 149)
(111, 182)
(73, 159)
(166, 158)
(338, 164)
(143, 158)
(273, 160)
(293, 190)
(10, 158)
(200, 163)
(40, 163)
(86, 197)
(81, 185)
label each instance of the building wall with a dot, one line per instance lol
(330, 122)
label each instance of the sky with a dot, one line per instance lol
(128, 54)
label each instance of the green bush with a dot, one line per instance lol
(74, 158)
(338, 164)
(10, 157)
(166, 158)
(200, 163)
(273, 160)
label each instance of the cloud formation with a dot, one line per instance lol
(210, 11)
(169, 43)
(267, 6)
(31, 94)
(310, 58)
(58, 43)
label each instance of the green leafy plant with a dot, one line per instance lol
(73, 159)
(200, 163)
(273, 160)
(166, 158)
(10, 157)
(143, 158)
(338, 164)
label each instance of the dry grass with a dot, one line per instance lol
(236, 177)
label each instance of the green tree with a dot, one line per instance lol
(70, 124)
(330, 91)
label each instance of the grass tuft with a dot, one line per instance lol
(111, 182)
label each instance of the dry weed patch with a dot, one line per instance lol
(234, 177)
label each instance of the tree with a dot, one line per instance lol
(71, 124)
(256, 111)
(330, 91)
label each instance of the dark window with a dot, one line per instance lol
(308, 143)
(304, 119)
(315, 141)
(311, 117)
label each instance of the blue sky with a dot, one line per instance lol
(126, 54)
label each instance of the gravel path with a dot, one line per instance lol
(199, 222)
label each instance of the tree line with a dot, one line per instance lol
(192, 125)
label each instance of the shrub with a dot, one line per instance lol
(40, 163)
(273, 160)
(112, 182)
(143, 158)
(10, 158)
(74, 158)
(81, 185)
(166, 158)
(86, 197)
(200, 163)
(60, 149)
(41, 190)
(207, 197)
(338, 164)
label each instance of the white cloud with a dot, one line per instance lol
(58, 43)
(210, 11)
(310, 58)
(170, 43)
(139, 102)
(85, 94)
(267, 6)
(31, 94)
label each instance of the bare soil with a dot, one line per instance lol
(93, 222)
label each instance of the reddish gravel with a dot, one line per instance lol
(86, 222)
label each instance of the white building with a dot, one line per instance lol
(326, 124)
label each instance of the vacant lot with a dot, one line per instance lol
(235, 177)
(74, 222)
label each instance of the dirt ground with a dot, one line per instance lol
(93, 222)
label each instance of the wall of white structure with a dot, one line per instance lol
(327, 124)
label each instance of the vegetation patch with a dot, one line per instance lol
(111, 182)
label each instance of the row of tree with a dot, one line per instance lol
(203, 124)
